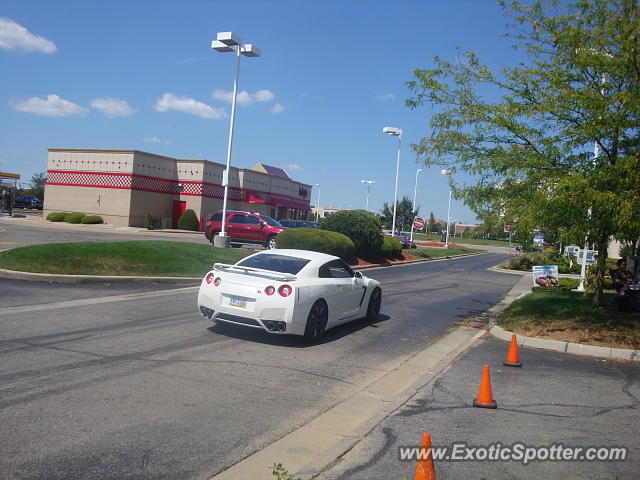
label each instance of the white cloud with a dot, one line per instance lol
(383, 97)
(155, 139)
(53, 106)
(244, 98)
(294, 167)
(263, 96)
(277, 108)
(14, 36)
(112, 107)
(169, 101)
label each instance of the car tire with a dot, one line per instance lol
(316, 322)
(270, 244)
(373, 309)
(213, 234)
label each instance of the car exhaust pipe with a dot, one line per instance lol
(281, 326)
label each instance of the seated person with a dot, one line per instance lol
(621, 276)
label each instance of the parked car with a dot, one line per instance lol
(244, 227)
(288, 291)
(27, 201)
(405, 240)
(299, 223)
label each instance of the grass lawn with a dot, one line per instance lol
(423, 237)
(145, 258)
(570, 316)
(440, 252)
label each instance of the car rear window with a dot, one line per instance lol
(216, 217)
(275, 263)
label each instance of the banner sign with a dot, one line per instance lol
(545, 276)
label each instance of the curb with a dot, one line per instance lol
(59, 278)
(73, 279)
(610, 353)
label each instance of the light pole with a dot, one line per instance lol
(230, 42)
(448, 174)
(369, 183)
(318, 204)
(395, 132)
(413, 205)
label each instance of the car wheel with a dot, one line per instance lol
(316, 321)
(375, 300)
(213, 234)
(271, 243)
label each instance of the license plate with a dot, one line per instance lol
(237, 302)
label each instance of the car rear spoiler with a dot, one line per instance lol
(285, 277)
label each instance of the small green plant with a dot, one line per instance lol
(391, 247)
(56, 216)
(74, 217)
(332, 243)
(189, 221)
(150, 221)
(92, 219)
(281, 473)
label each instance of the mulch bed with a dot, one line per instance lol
(437, 244)
(383, 260)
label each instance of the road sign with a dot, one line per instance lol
(508, 229)
(418, 223)
(400, 220)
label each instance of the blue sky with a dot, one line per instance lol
(141, 75)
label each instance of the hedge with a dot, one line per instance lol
(56, 216)
(363, 228)
(92, 219)
(332, 243)
(391, 247)
(189, 221)
(74, 217)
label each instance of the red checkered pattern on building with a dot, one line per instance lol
(154, 184)
(89, 179)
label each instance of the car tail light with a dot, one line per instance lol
(285, 290)
(209, 278)
(217, 281)
(270, 290)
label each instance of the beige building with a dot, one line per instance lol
(122, 186)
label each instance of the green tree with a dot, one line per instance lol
(38, 182)
(531, 150)
(403, 207)
(432, 223)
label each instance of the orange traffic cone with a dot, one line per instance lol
(485, 397)
(513, 358)
(424, 469)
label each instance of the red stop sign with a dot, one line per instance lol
(418, 223)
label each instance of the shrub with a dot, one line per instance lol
(332, 243)
(391, 247)
(74, 217)
(363, 228)
(548, 257)
(92, 219)
(189, 221)
(150, 221)
(56, 216)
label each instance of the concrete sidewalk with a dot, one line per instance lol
(554, 398)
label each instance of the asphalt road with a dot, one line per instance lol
(554, 399)
(108, 382)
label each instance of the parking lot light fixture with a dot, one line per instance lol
(369, 183)
(318, 203)
(413, 205)
(446, 241)
(230, 42)
(395, 132)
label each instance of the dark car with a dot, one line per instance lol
(27, 201)
(405, 240)
(244, 227)
(299, 224)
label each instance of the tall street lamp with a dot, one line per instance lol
(230, 42)
(369, 183)
(318, 204)
(395, 132)
(448, 174)
(413, 205)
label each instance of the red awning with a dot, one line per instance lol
(254, 197)
(283, 202)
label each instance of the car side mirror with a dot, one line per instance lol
(358, 275)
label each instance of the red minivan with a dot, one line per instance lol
(244, 227)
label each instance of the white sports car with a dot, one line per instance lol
(289, 291)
